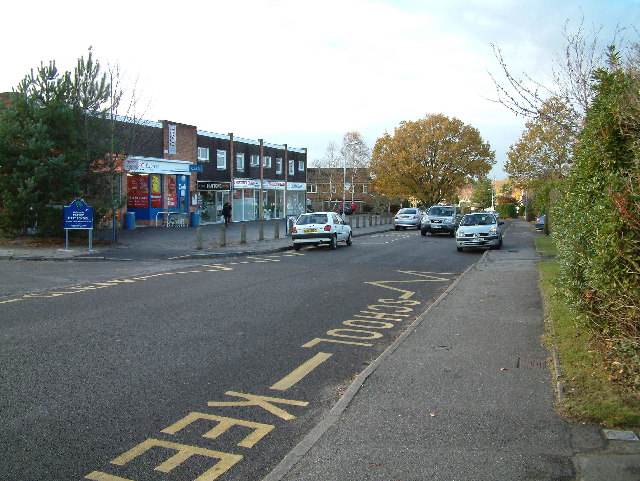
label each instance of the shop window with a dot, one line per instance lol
(203, 154)
(278, 166)
(292, 167)
(266, 162)
(255, 161)
(301, 166)
(222, 159)
(240, 162)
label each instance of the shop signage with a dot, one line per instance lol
(173, 139)
(273, 184)
(296, 186)
(208, 185)
(195, 168)
(150, 165)
(246, 183)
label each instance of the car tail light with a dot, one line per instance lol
(415, 216)
(327, 228)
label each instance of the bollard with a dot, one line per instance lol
(199, 237)
(261, 230)
(223, 235)
(370, 220)
(276, 230)
(357, 221)
(243, 233)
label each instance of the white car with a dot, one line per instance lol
(479, 230)
(321, 228)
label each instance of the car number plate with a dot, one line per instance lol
(306, 231)
(435, 226)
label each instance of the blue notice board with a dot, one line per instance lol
(78, 215)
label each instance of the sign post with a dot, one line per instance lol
(78, 215)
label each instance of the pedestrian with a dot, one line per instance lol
(226, 212)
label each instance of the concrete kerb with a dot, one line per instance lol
(257, 250)
(292, 458)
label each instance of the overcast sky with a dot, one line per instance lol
(304, 72)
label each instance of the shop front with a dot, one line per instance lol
(296, 198)
(156, 185)
(273, 199)
(246, 199)
(211, 198)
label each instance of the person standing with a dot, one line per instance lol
(226, 212)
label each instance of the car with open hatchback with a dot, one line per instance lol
(321, 228)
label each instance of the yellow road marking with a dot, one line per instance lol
(300, 372)
(184, 452)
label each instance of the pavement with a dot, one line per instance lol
(468, 392)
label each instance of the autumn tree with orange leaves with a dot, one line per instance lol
(429, 159)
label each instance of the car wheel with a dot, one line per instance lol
(459, 249)
(334, 243)
(423, 232)
(349, 239)
(297, 246)
(452, 233)
(396, 227)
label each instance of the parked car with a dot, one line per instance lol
(494, 212)
(540, 220)
(321, 228)
(441, 219)
(407, 217)
(479, 230)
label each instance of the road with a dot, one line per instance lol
(197, 370)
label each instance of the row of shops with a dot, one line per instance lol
(176, 176)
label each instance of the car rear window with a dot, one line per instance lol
(407, 211)
(312, 219)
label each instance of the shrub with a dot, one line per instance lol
(507, 210)
(597, 219)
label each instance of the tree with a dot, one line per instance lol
(51, 131)
(543, 152)
(482, 196)
(429, 159)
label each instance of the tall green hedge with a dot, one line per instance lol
(597, 218)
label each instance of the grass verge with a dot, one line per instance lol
(589, 393)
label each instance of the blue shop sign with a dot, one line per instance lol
(195, 168)
(78, 215)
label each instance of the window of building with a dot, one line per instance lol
(240, 162)
(266, 162)
(312, 189)
(255, 161)
(222, 159)
(301, 166)
(292, 167)
(278, 166)
(365, 188)
(203, 154)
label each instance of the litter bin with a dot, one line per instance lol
(130, 220)
(195, 219)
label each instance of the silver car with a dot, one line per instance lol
(479, 230)
(408, 217)
(441, 219)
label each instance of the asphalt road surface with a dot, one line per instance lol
(197, 370)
